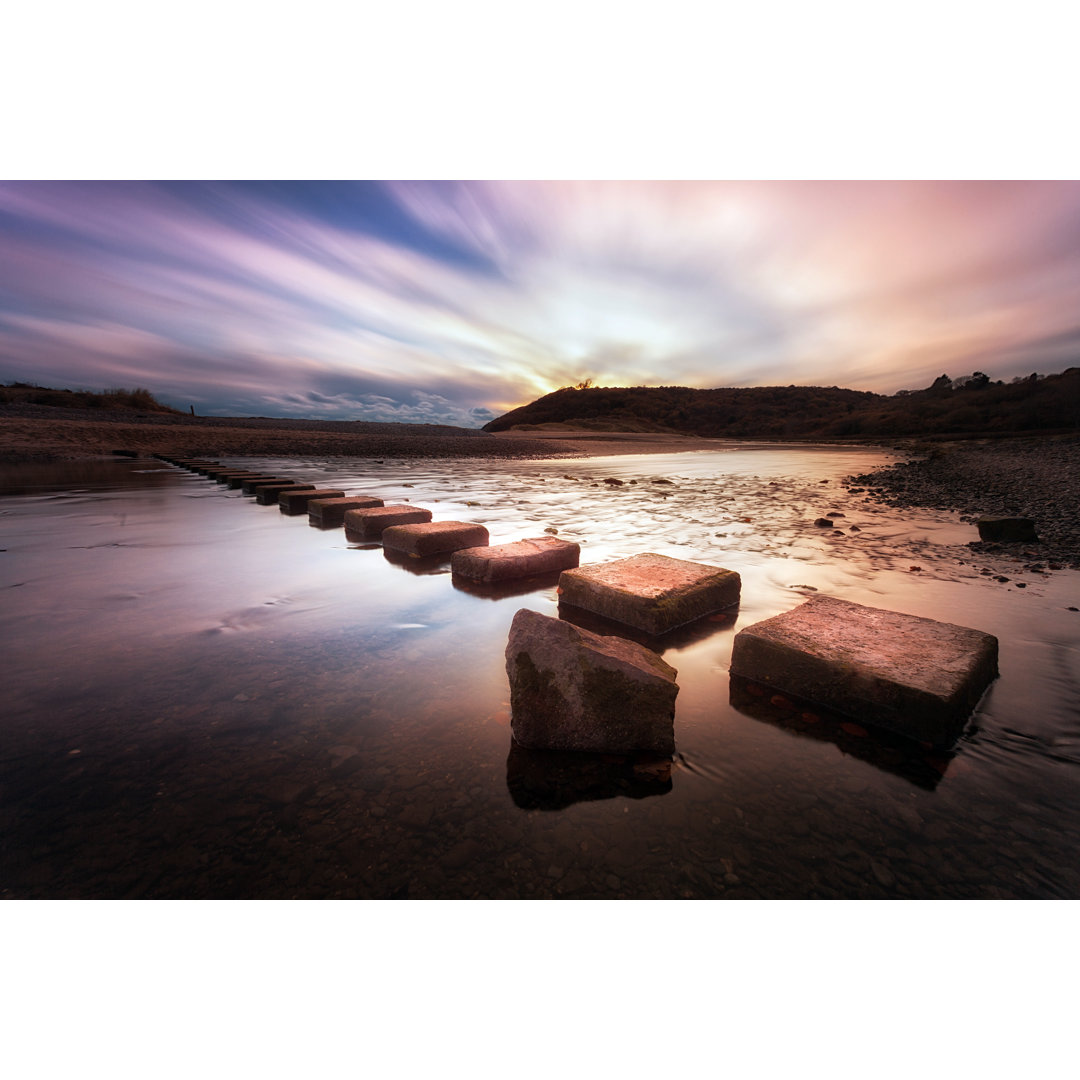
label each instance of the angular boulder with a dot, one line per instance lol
(1009, 530)
(919, 677)
(571, 689)
(522, 558)
(653, 593)
(433, 537)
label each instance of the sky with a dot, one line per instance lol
(453, 302)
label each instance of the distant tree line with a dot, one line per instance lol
(964, 406)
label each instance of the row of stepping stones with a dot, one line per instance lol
(576, 690)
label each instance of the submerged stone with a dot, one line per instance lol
(296, 502)
(919, 677)
(1017, 530)
(571, 689)
(368, 524)
(434, 537)
(332, 511)
(522, 558)
(653, 593)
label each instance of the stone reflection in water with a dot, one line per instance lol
(891, 753)
(681, 637)
(556, 779)
(503, 590)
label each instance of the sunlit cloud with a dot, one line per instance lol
(451, 302)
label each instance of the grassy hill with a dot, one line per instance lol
(138, 400)
(970, 406)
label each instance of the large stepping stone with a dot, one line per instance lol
(571, 689)
(268, 494)
(915, 676)
(296, 502)
(522, 558)
(434, 537)
(327, 512)
(369, 524)
(653, 593)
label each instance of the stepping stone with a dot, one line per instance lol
(296, 502)
(522, 558)
(571, 689)
(915, 676)
(327, 512)
(267, 494)
(1014, 530)
(434, 537)
(368, 524)
(248, 483)
(650, 592)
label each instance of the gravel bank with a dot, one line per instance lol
(1037, 478)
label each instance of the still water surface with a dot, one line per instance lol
(208, 698)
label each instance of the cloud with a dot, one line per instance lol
(459, 300)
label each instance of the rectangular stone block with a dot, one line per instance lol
(268, 494)
(522, 558)
(369, 524)
(571, 689)
(249, 483)
(434, 537)
(915, 676)
(653, 593)
(328, 512)
(1009, 530)
(296, 502)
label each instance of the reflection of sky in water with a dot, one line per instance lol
(298, 715)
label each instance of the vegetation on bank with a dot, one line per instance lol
(137, 400)
(972, 405)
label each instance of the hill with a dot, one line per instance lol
(138, 400)
(972, 405)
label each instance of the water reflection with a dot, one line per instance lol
(922, 766)
(556, 779)
(203, 700)
(681, 637)
(503, 590)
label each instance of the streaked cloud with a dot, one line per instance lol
(450, 302)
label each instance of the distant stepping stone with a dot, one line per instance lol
(329, 512)
(915, 676)
(434, 537)
(522, 558)
(369, 524)
(649, 592)
(250, 483)
(296, 502)
(268, 494)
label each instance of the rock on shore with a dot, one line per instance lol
(1036, 478)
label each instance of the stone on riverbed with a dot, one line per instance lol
(434, 537)
(571, 689)
(296, 502)
(653, 593)
(332, 511)
(522, 558)
(368, 524)
(915, 676)
(1017, 530)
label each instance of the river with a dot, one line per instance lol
(206, 698)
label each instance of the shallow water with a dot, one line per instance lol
(209, 698)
